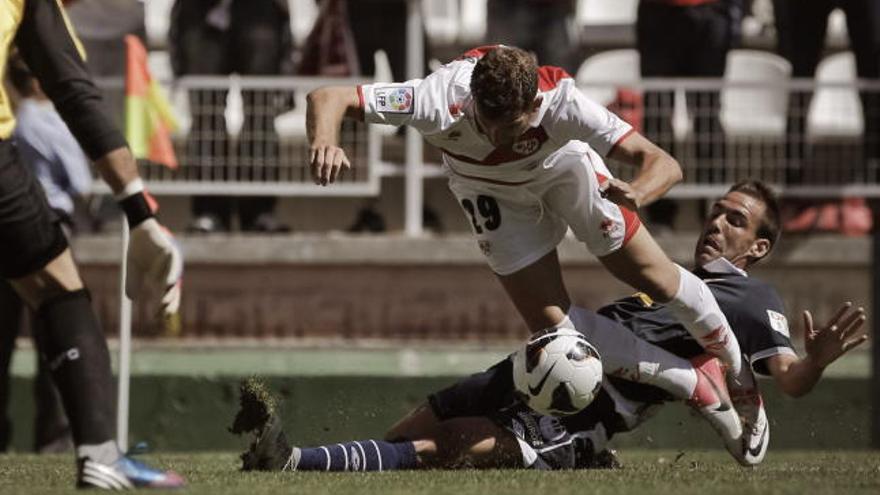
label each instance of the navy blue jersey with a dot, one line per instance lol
(752, 307)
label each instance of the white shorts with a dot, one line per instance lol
(518, 224)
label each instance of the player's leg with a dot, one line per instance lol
(421, 422)
(627, 356)
(642, 264)
(615, 235)
(519, 242)
(72, 344)
(272, 451)
(475, 442)
(453, 427)
(10, 318)
(749, 403)
(478, 395)
(700, 383)
(538, 292)
(472, 443)
(35, 258)
(457, 443)
(76, 352)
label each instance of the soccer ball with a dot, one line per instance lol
(557, 372)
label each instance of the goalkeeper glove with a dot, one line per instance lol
(153, 261)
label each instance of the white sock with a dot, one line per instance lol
(696, 308)
(631, 358)
(105, 453)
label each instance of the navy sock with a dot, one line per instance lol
(367, 455)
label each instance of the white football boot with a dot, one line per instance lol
(756, 427)
(712, 401)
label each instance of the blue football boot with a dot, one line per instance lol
(126, 473)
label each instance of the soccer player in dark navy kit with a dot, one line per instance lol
(35, 257)
(480, 422)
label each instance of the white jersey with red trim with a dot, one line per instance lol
(521, 199)
(440, 106)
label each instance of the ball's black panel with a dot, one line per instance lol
(561, 401)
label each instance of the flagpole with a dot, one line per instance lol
(124, 348)
(148, 122)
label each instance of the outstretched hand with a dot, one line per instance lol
(327, 162)
(842, 333)
(621, 193)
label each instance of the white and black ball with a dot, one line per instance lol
(557, 372)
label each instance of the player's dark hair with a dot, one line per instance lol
(504, 82)
(20, 76)
(769, 227)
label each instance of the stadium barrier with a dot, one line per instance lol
(246, 135)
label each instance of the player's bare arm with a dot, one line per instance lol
(53, 54)
(658, 172)
(843, 332)
(118, 168)
(326, 108)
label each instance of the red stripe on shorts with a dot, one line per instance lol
(631, 220)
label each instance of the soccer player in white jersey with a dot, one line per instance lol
(523, 149)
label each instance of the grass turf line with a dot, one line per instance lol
(645, 472)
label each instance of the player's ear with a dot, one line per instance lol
(759, 248)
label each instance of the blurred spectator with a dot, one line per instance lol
(801, 28)
(220, 37)
(686, 38)
(379, 25)
(46, 144)
(101, 26)
(368, 220)
(538, 26)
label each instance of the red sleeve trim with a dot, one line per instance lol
(549, 77)
(620, 140)
(631, 224)
(360, 90)
(477, 52)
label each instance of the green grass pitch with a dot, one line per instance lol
(645, 472)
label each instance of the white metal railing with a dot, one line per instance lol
(246, 135)
(808, 138)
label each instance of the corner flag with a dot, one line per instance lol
(148, 118)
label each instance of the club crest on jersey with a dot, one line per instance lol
(778, 322)
(608, 228)
(526, 146)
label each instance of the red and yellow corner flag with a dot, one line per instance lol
(148, 118)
